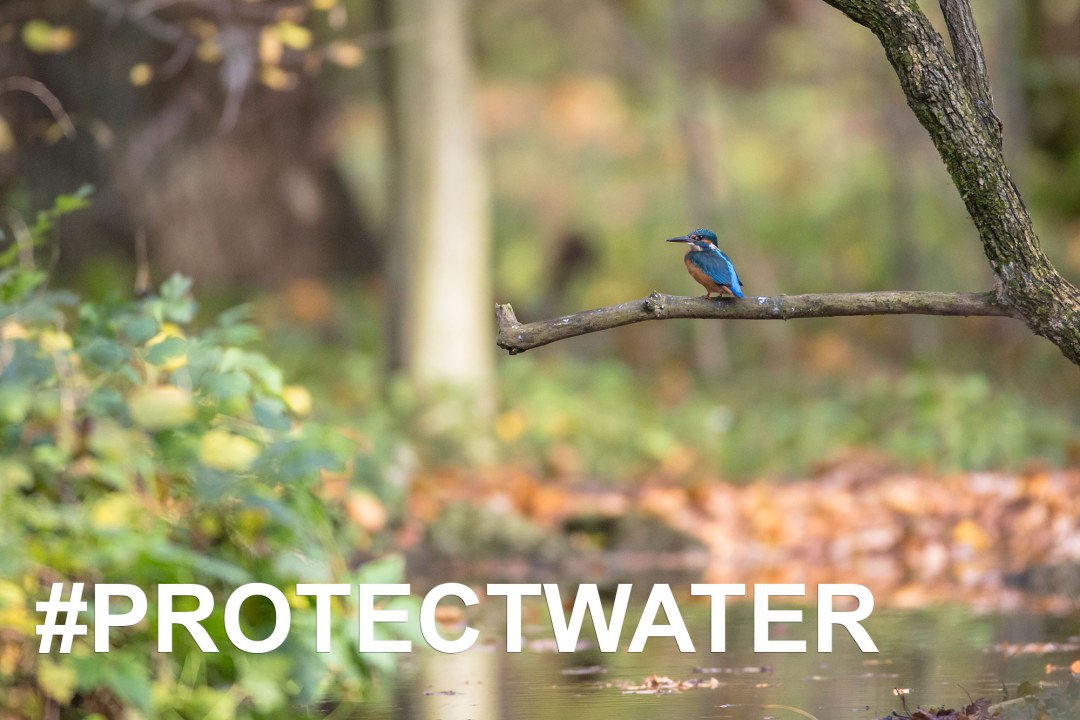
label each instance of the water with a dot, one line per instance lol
(937, 654)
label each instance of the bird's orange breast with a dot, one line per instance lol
(702, 279)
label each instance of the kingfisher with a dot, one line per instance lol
(709, 265)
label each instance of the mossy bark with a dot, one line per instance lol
(954, 113)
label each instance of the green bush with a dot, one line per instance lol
(135, 450)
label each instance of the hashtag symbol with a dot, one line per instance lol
(52, 608)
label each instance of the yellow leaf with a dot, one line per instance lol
(13, 330)
(509, 426)
(11, 595)
(967, 532)
(112, 512)
(222, 450)
(323, 4)
(54, 341)
(7, 138)
(275, 78)
(297, 399)
(294, 36)
(58, 681)
(43, 37)
(209, 51)
(270, 46)
(345, 54)
(140, 74)
(14, 475)
(161, 408)
(112, 442)
(203, 29)
(55, 133)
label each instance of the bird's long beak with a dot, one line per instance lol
(681, 238)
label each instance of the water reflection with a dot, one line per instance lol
(938, 654)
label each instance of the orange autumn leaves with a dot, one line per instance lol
(913, 539)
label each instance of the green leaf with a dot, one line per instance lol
(385, 570)
(169, 348)
(270, 413)
(14, 403)
(138, 330)
(75, 201)
(104, 354)
(225, 385)
(236, 315)
(263, 678)
(16, 283)
(177, 304)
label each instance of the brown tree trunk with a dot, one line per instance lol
(951, 99)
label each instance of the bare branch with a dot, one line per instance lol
(968, 53)
(42, 93)
(516, 337)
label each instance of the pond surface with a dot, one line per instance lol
(937, 654)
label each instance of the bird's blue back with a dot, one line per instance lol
(714, 263)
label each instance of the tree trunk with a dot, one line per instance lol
(445, 238)
(952, 101)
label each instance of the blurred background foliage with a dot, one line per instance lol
(273, 151)
(259, 149)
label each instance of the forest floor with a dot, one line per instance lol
(997, 541)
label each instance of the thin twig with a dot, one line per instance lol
(42, 93)
(24, 239)
(516, 337)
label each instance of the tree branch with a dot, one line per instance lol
(937, 90)
(969, 56)
(516, 337)
(42, 93)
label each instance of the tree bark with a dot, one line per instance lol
(950, 97)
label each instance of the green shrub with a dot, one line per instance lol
(135, 450)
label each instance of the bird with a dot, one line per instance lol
(708, 264)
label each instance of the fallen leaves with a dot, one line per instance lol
(913, 539)
(661, 685)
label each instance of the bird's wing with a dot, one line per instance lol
(717, 266)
